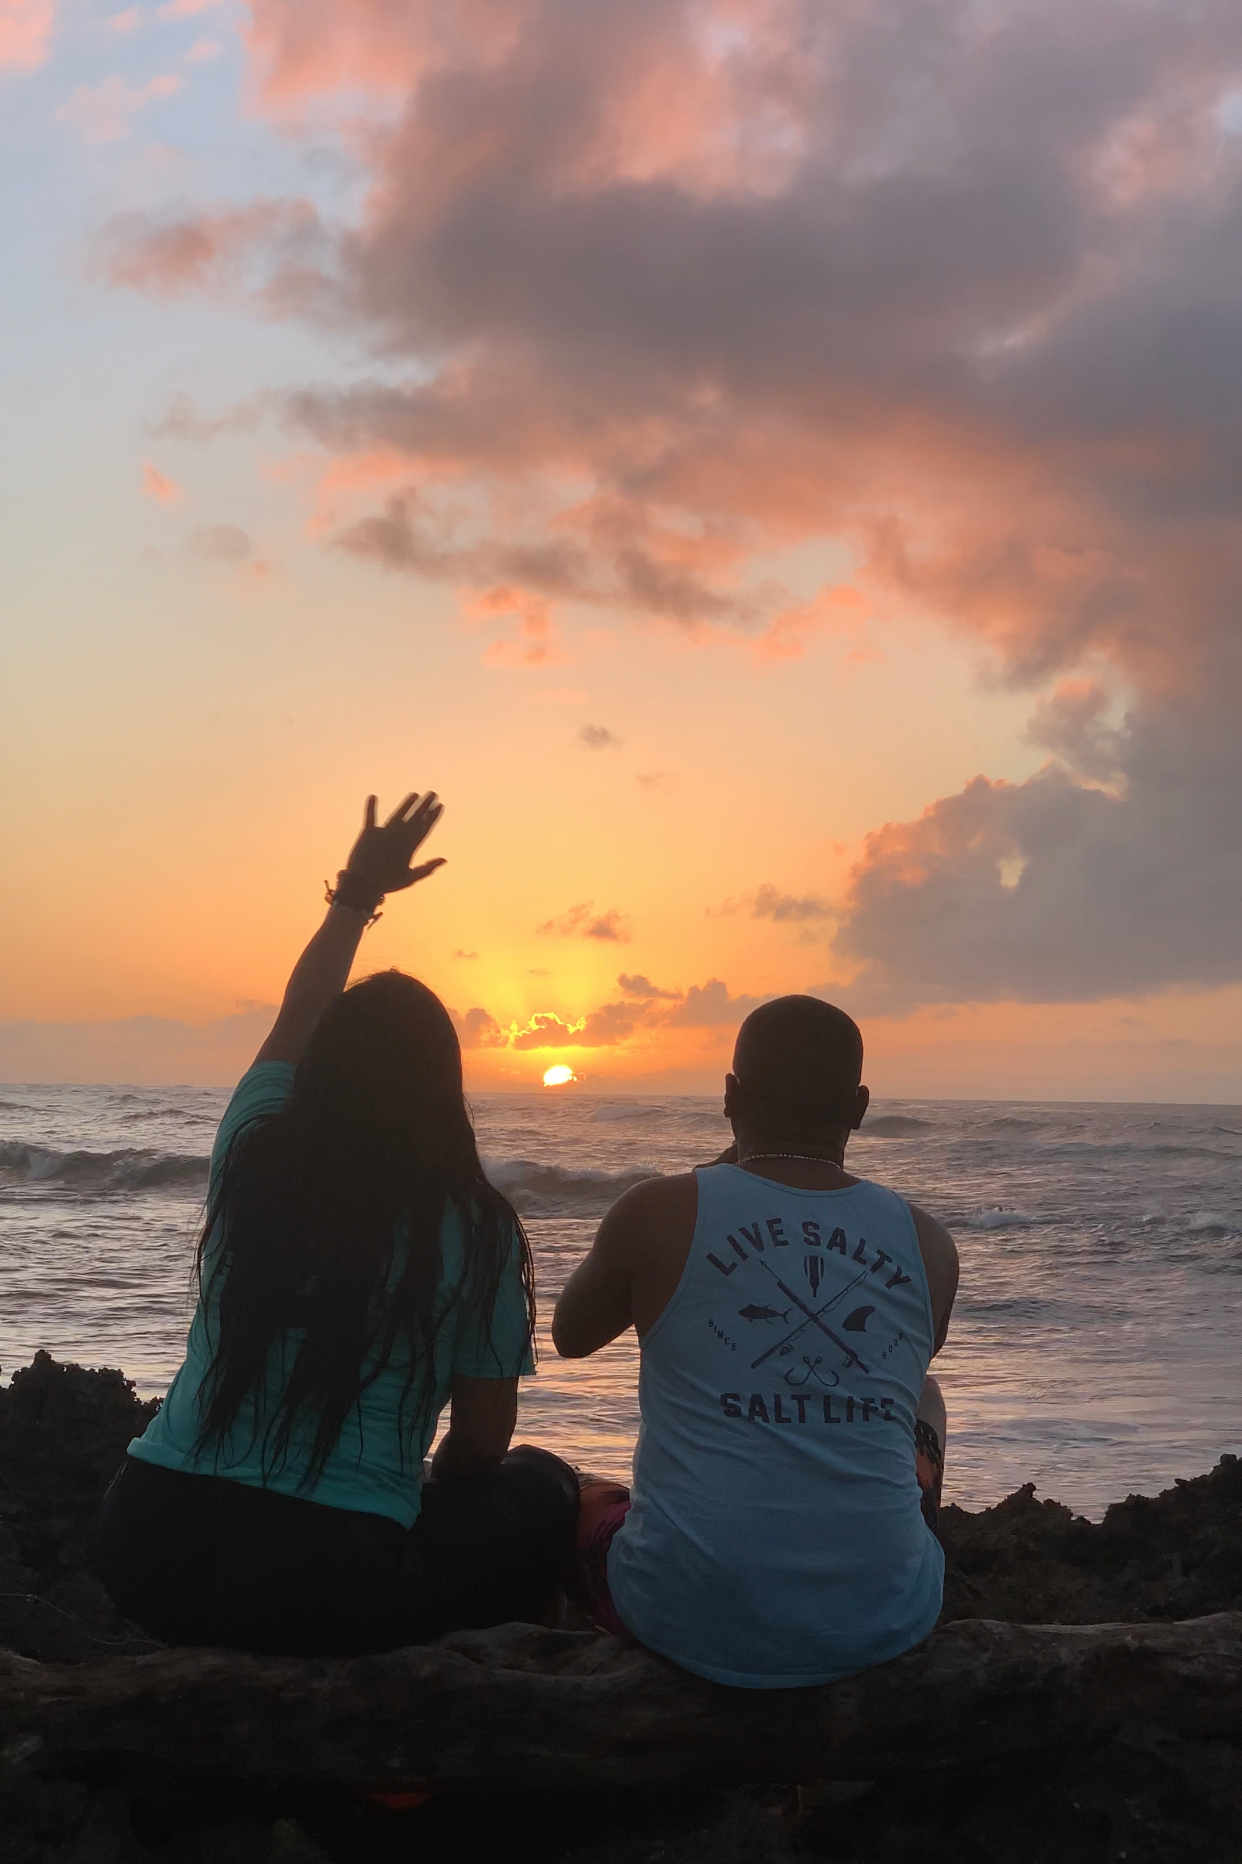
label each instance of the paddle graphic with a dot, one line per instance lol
(812, 1320)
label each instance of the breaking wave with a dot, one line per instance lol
(100, 1172)
(997, 1218)
(610, 1110)
(535, 1189)
(1212, 1223)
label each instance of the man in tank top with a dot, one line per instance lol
(787, 1471)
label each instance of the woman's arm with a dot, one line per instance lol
(379, 864)
(480, 1428)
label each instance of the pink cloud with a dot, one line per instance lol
(185, 9)
(679, 286)
(25, 33)
(104, 112)
(158, 486)
(210, 253)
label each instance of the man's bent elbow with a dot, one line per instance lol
(567, 1344)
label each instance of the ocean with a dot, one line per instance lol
(1094, 1345)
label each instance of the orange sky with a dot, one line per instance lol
(736, 477)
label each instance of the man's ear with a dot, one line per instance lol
(731, 1097)
(862, 1100)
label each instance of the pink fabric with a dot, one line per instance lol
(604, 1506)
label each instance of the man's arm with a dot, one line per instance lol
(596, 1303)
(939, 1253)
(633, 1268)
(379, 864)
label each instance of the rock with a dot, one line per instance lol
(523, 1707)
(1089, 1726)
(63, 1433)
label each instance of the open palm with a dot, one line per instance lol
(382, 853)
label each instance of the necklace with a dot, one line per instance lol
(804, 1158)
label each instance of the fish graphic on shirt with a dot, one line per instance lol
(755, 1312)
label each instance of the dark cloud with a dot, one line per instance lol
(634, 984)
(956, 287)
(582, 921)
(767, 903)
(459, 953)
(1055, 889)
(478, 1029)
(598, 738)
(709, 1006)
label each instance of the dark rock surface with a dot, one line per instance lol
(1151, 1786)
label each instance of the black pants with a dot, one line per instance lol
(202, 1560)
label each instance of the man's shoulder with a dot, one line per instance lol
(931, 1232)
(652, 1195)
(653, 1208)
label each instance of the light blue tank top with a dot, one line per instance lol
(775, 1537)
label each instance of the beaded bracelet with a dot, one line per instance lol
(358, 894)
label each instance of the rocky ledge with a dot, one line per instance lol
(1080, 1700)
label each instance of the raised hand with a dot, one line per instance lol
(380, 857)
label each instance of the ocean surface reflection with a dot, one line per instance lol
(1093, 1350)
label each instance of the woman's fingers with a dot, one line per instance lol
(424, 819)
(398, 814)
(368, 814)
(428, 867)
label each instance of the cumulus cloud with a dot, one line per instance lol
(478, 1029)
(709, 1006)
(598, 738)
(955, 287)
(1055, 889)
(582, 921)
(642, 1007)
(601, 1028)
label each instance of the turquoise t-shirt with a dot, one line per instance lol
(375, 1467)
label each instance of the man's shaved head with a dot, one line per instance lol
(797, 1065)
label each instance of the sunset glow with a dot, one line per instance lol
(778, 601)
(558, 1076)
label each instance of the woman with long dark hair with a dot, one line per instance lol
(356, 1273)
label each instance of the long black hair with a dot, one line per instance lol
(301, 1230)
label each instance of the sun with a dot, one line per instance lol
(557, 1077)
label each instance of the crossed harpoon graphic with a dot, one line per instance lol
(814, 1318)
